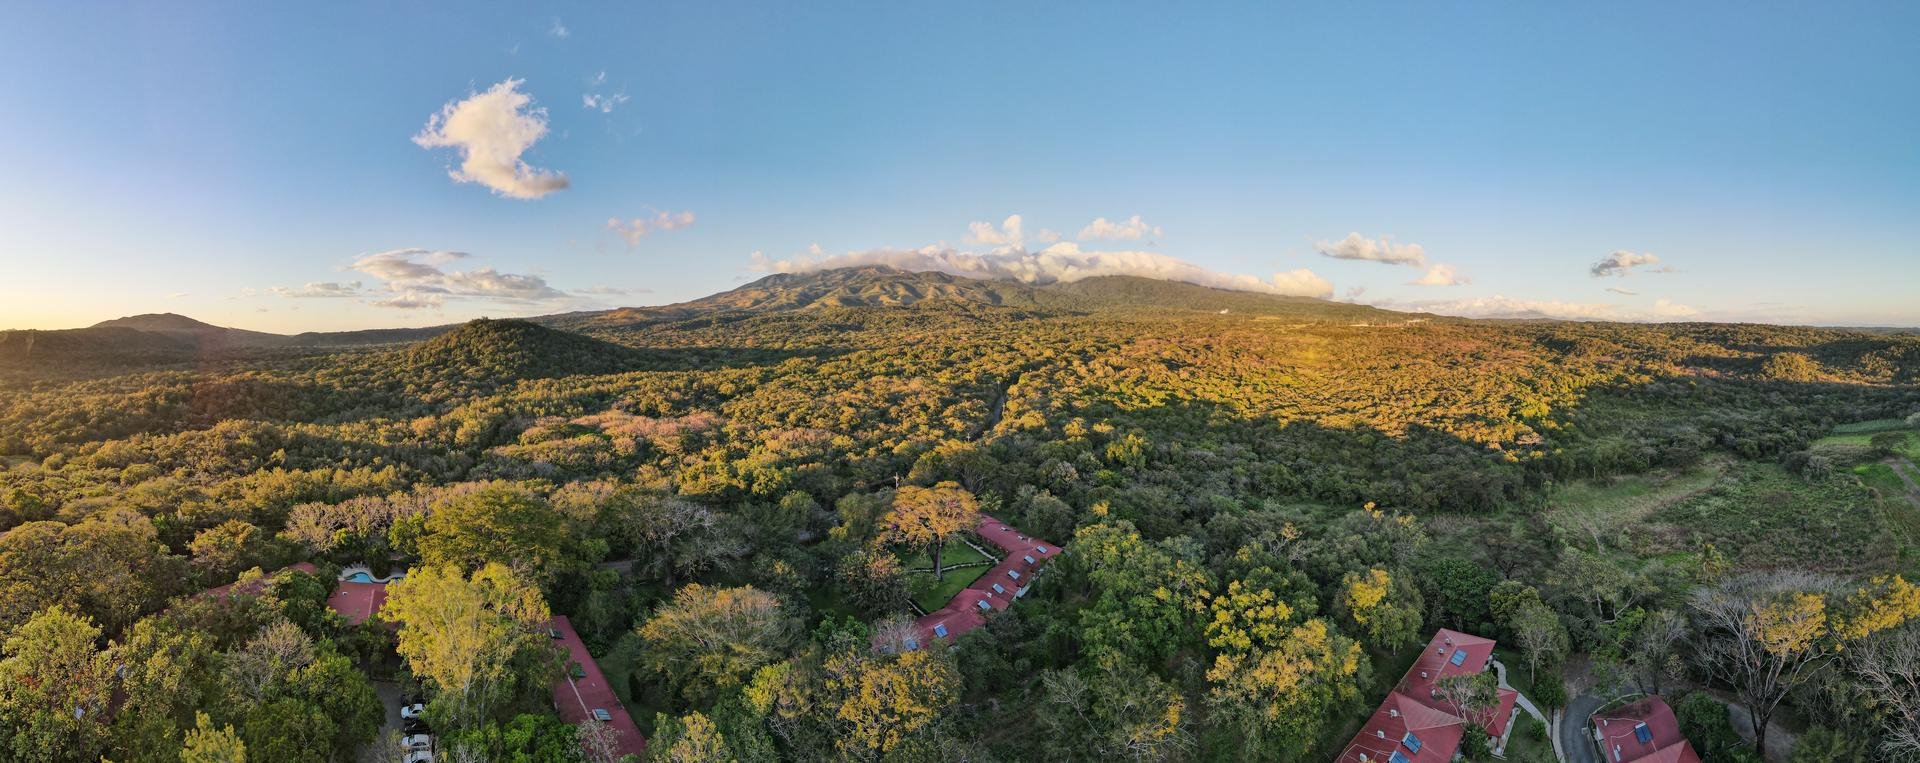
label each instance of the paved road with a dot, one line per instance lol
(1576, 745)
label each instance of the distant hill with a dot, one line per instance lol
(883, 286)
(157, 339)
(181, 326)
(494, 351)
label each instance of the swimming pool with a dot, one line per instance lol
(359, 577)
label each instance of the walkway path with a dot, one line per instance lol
(1570, 738)
(1500, 672)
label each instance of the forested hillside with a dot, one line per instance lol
(1265, 504)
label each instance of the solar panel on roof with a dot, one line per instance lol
(1459, 657)
(1397, 757)
(1642, 733)
(997, 588)
(1015, 574)
(1412, 742)
(940, 630)
(983, 604)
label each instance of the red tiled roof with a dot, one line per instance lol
(357, 602)
(963, 613)
(1620, 742)
(576, 699)
(1412, 706)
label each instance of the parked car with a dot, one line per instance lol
(418, 756)
(416, 742)
(413, 711)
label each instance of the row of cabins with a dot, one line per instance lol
(991, 592)
(1416, 724)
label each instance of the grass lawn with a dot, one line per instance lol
(1869, 427)
(933, 594)
(618, 663)
(1528, 743)
(955, 553)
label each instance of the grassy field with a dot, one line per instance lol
(1848, 446)
(1760, 515)
(956, 553)
(1610, 507)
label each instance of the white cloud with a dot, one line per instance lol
(319, 289)
(1622, 263)
(417, 278)
(610, 291)
(1666, 308)
(1441, 275)
(1047, 236)
(1130, 229)
(1618, 290)
(1006, 236)
(634, 229)
(604, 104)
(1358, 247)
(179, 295)
(1061, 262)
(492, 130)
(409, 300)
(558, 30)
(1504, 307)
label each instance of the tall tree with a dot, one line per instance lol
(880, 702)
(930, 516)
(477, 639)
(710, 639)
(54, 690)
(1386, 610)
(207, 744)
(1767, 634)
(496, 524)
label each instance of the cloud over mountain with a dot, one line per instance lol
(418, 278)
(492, 130)
(1061, 262)
(1130, 229)
(1441, 275)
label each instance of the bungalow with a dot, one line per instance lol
(1416, 723)
(1644, 730)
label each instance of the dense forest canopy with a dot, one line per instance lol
(1265, 503)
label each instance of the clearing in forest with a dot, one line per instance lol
(1604, 508)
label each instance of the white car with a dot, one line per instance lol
(416, 742)
(418, 756)
(410, 712)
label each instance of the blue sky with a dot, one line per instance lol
(218, 160)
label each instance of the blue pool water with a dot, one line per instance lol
(359, 577)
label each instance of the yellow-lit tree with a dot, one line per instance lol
(930, 516)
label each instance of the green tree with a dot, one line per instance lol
(691, 738)
(928, 517)
(1384, 609)
(1110, 708)
(222, 551)
(710, 639)
(477, 640)
(881, 702)
(206, 744)
(493, 525)
(54, 690)
(288, 730)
